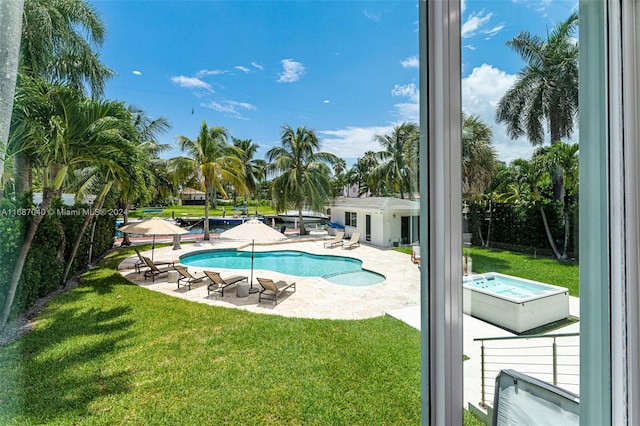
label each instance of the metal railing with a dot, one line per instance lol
(558, 363)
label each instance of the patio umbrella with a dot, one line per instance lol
(253, 230)
(154, 226)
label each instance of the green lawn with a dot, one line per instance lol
(551, 271)
(194, 211)
(109, 352)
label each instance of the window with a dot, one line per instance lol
(351, 219)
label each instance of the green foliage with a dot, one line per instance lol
(12, 229)
(45, 262)
(123, 354)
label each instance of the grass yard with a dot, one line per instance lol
(194, 211)
(110, 352)
(546, 270)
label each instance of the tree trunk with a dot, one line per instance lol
(480, 235)
(97, 204)
(549, 236)
(566, 232)
(303, 230)
(486, 244)
(126, 241)
(22, 173)
(207, 191)
(22, 257)
(557, 174)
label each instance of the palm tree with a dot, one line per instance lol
(396, 169)
(530, 174)
(247, 150)
(213, 160)
(66, 132)
(57, 45)
(563, 156)
(302, 172)
(478, 156)
(148, 131)
(546, 89)
(123, 162)
(360, 174)
(339, 180)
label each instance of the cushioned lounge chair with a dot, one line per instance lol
(354, 241)
(337, 241)
(186, 278)
(141, 262)
(153, 270)
(271, 290)
(219, 284)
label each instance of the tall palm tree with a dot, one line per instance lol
(123, 163)
(302, 172)
(148, 131)
(478, 156)
(563, 156)
(59, 44)
(530, 174)
(397, 169)
(215, 161)
(360, 174)
(546, 89)
(67, 132)
(247, 150)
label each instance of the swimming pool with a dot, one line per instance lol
(336, 269)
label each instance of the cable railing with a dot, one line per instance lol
(557, 361)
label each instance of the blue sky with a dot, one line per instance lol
(347, 69)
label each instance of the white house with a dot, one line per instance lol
(381, 221)
(190, 196)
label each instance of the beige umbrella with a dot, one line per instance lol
(253, 230)
(154, 226)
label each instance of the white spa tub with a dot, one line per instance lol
(514, 303)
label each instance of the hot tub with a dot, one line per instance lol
(514, 303)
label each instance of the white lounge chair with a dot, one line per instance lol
(354, 241)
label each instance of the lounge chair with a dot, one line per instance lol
(219, 284)
(141, 262)
(153, 269)
(415, 254)
(186, 277)
(337, 240)
(354, 241)
(271, 290)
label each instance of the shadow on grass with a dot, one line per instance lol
(63, 363)
(488, 263)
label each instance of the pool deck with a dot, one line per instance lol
(398, 296)
(314, 297)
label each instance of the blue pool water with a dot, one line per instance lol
(336, 269)
(507, 286)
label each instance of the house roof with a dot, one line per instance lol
(377, 203)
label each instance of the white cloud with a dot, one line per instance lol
(493, 31)
(473, 24)
(191, 82)
(352, 142)
(411, 62)
(481, 92)
(292, 71)
(230, 107)
(326, 101)
(375, 17)
(409, 90)
(243, 69)
(136, 72)
(204, 73)
(258, 66)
